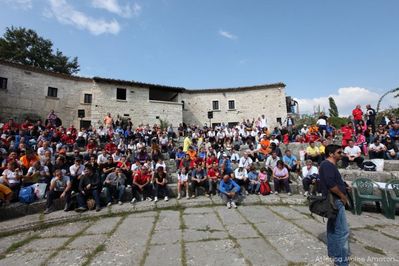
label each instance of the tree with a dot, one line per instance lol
(385, 94)
(333, 107)
(25, 46)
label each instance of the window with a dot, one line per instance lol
(121, 94)
(232, 105)
(52, 92)
(88, 98)
(3, 83)
(215, 105)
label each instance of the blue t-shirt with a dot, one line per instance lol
(330, 177)
(290, 161)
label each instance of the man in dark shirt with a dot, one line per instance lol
(337, 229)
(88, 186)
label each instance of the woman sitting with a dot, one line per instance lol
(280, 177)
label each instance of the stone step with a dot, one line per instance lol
(351, 175)
(391, 165)
(17, 209)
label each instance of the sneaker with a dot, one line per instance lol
(150, 199)
(193, 196)
(275, 193)
(81, 209)
(155, 199)
(233, 204)
(133, 201)
(120, 202)
(207, 195)
(48, 210)
(67, 208)
(142, 199)
(306, 194)
(109, 204)
(187, 197)
(289, 193)
(178, 196)
(166, 199)
(228, 205)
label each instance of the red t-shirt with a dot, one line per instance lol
(141, 178)
(212, 174)
(357, 114)
(210, 161)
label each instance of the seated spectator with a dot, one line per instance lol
(241, 177)
(313, 153)
(36, 174)
(352, 153)
(213, 179)
(280, 177)
(142, 156)
(60, 187)
(114, 185)
(271, 163)
(89, 186)
(76, 171)
(11, 177)
(235, 157)
(394, 132)
(392, 152)
(161, 184)
(245, 161)
(141, 187)
(264, 149)
(229, 192)
(291, 161)
(377, 149)
(310, 175)
(322, 149)
(108, 167)
(117, 156)
(28, 159)
(225, 163)
(254, 183)
(182, 181)
(198, 179)
(179, 156)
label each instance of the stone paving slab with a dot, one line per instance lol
(103, 226)
(229, 216)
(25, 258)
(241, 231)
(164, 255)
(218, 252)
(190, 235)
(171, 236)
(168, 220)
(70, 257)
(68, 229)
(256, 250)
(44, 244)
(202, 222)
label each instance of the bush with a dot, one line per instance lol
(337, 122)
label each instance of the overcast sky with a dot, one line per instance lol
(345, 49)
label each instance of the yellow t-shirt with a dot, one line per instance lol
(312, 151)
(186, 143)
(322, 149)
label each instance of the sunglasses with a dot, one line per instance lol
(339, 152)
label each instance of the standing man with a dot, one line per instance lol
(337, 228)
(357, 114)
(370, 113)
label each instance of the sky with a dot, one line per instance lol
(345, 49)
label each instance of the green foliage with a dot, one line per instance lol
(337, 122)
(163, 124)
(392, 112)
(25, 46)
(333, 108)
(385, 94)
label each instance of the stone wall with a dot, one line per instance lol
(26, 93)
(249, 103)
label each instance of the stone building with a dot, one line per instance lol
(29, 91)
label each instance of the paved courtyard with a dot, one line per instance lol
(211, 234)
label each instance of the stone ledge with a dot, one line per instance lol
(38, 221)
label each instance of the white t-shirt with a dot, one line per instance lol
(43, 170)
(352, 151)
(380, 147)
(102, 159)
(182, 177)
(270, 162)
(321, 122)
(11, 176)
(245, 162)
(240, 174)
(307, 173)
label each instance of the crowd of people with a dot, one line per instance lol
(219, 160)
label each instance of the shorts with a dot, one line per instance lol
(4, 190)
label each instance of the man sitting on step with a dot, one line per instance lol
(352, 153)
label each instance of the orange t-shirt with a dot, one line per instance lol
(265, 146)
(192, 154)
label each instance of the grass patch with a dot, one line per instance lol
(291, 263)
(182, 227)
(90, 257)
(21, 243)
(110, 233)
(375, 250)
(66, 243)
(147, 244)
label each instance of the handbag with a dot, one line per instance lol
(323, 206)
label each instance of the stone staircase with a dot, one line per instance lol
(391, 171)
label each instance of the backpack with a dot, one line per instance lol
(265, 188)
(323, 206)
(369, 166)
(27, 195)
